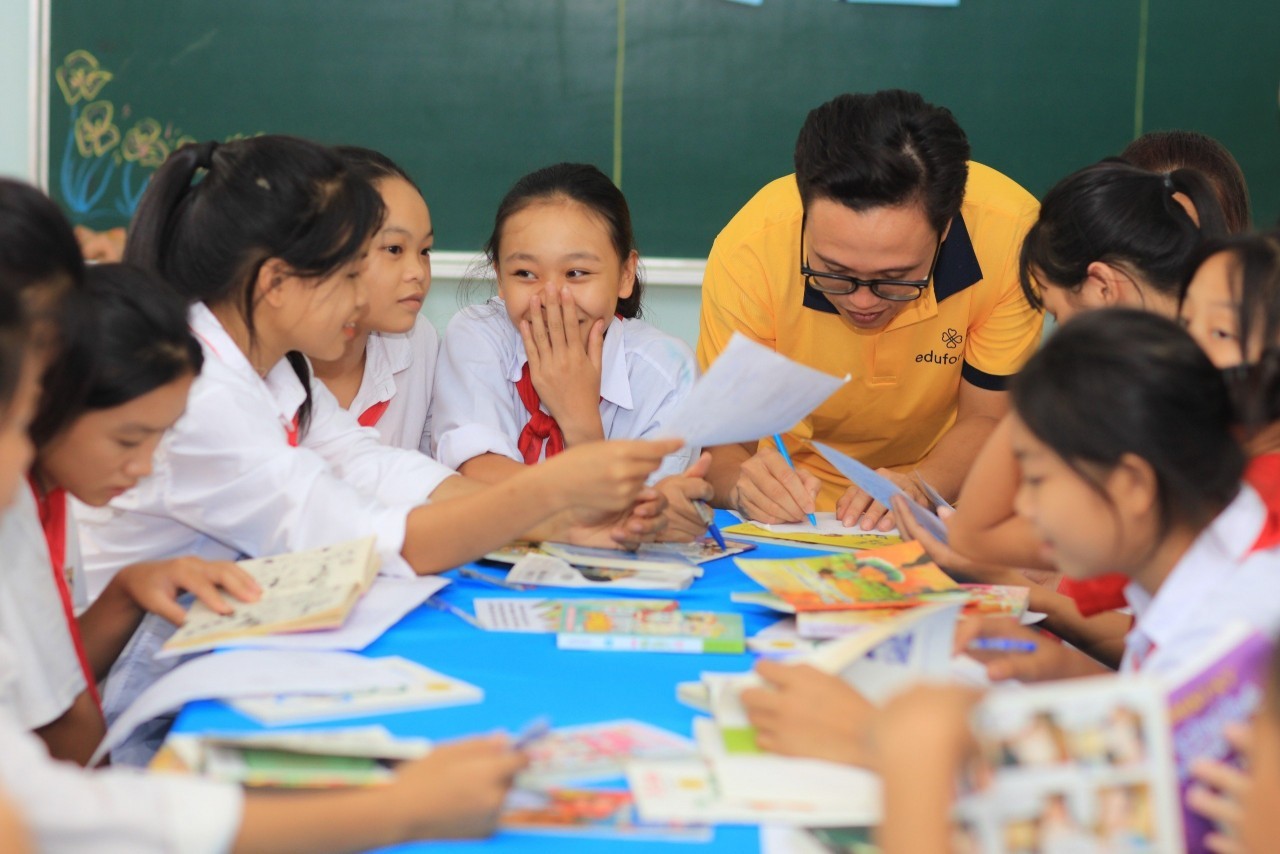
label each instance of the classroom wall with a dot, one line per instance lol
(17, 72)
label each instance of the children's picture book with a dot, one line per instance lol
(589, 814)
(588, 627)
(541, 570)
(996, 600)
(1075, 765)
(301, 592)
(897, 576)
(424, 688)
(543, 616)
(1224, 685)
(829, 531)
(595, 752)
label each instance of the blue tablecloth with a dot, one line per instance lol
(524, 675)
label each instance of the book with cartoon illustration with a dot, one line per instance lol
(587, 626)
(589, 814)
(543, 616)
(897, 576)
(303, 591)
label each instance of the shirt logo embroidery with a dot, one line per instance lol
(952, 338)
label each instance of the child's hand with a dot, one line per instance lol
(564, 363)
(642, 522)
(958, 566)
(1049, 660)
(685, 522)
(770, 491)
(154, 587)
(856, 507)
(927, 720)
(457, 790)
(805, 712)
(605, 477)
(1220, 791)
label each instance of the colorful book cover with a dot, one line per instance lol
(543, 616)
(590, 814)
(828, 532)
(588, 627)
(996, 600)
(898, 576)
(572, 755)
(1226, 687)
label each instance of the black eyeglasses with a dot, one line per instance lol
(897, 290)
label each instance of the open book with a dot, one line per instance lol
(303, 591)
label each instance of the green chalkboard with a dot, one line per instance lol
(691, 104)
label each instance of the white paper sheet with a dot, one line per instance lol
(748, 392)
(881, 488)
(546, 571)
(386, 603)
(242, 673)
(828, 525)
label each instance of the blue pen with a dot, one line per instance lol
(483, 578)
(1001, 645)
(709, 519)
(782, 449)
(531, 732)
(441, 605)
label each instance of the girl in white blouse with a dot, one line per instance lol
(387, 371)
(268, 237)
(560, 357)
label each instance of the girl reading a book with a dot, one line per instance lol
(560, 357)
(386, 372)
(456, 791)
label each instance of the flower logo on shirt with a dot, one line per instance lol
(952, 338)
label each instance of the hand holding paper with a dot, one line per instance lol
(881, 489)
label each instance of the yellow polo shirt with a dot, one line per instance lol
(974, 323)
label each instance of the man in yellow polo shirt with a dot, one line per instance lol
(891, 257)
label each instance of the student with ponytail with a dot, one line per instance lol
(267, 238)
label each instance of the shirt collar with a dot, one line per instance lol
(281, 382)
(1226, 541)
(385, 356)
(957, 269)
(615, 383)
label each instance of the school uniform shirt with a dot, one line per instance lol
(45, 670)
(69, 810)
(644, 372)
(226, 483)
(395, 392)
(1221, 578)
(973, 323)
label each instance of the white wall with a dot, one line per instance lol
(17, 73)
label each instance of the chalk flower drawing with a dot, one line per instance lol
(143, 145)
(80, 78)
(96, 133)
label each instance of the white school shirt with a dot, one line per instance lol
(225, 482)
(47, 675)
(69, 810)
(1217, 581)
(401, 369)
(477, 410)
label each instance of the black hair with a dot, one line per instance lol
(213, 214)
(884, 149)
(1122, 381)
(131, 338)
(372, 166)
(1117, 214)
(13, 346)
(588, 186)
(37, 245)
(1170, 150)
(1255, 286)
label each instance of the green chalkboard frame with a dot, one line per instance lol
(692, 105)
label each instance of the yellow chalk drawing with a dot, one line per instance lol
(80, 77)
(143, 144)
(96, 133)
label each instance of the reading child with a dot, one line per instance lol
(455, 791)
(1121, 428)
(387, 370)
(267, 238)
(560, 357)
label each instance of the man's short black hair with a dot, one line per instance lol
(884, 149)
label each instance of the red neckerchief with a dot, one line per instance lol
(371, 416)
(1095, 595)
(52, 511)
(291, 433)
(542, 429)
(1263, 474)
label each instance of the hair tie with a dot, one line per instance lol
(204, 154)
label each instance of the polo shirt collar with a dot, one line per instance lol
(615, 384)
(1226, 541)
(281, 382)
(957, 269)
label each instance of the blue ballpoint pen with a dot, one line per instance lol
(1001, 645)
(709, 519)
(782, 449)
